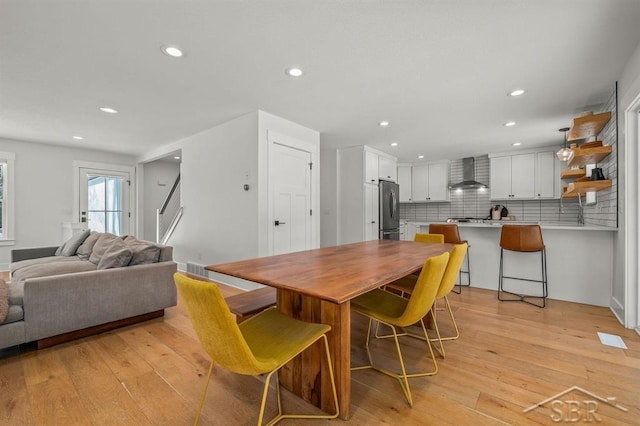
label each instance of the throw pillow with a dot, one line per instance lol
(69, 247)
(101, 246)
(116, 256)
(143, 251)
(4, 301)
(84, 251)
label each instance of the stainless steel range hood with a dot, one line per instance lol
(468, 176)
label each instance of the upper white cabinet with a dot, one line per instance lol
(512, 177)
(547, 184)
(378, 166)
(525, 176)
(429, 182)
(387, 169)
(404, 181)
(370, 167)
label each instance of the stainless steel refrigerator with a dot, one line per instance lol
(389, 210)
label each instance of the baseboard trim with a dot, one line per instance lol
(90, 331)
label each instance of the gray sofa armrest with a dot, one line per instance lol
(32, 253)
(63, 303)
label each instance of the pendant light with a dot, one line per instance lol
(565, 153)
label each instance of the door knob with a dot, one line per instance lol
(278, 223)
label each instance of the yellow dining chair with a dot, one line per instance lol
(429, 238)
(408, 283)
(260, 345)
(420, 238)
(395, 311)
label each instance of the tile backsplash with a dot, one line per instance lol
(476, 202)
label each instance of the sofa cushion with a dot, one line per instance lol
(55, 268)
(4, 300)
(85, 249)
(15, 266)
(16, 292)
(116, 256)
(15, 313)
(69, 247)
(100, 247)
(143, 251)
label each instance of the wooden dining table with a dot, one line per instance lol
(317, 285)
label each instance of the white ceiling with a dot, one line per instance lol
(438, 70)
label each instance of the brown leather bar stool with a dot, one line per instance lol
(523, 238)
(452, 236)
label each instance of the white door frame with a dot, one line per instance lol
(294, 143)
(631, 222)
(77, 165)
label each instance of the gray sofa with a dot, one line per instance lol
(87, 288)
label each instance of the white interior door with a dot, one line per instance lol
(290, 173)
(104, 200)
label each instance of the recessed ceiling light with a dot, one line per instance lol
(420, 156)
(509, 124)
(294, 72)
(516, 143)
(383, 123)
(108, 110)
(517, 92)
(176, 157)
(173, 51)
(394, 143)
(78, 138)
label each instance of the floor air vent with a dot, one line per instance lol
(196, 269)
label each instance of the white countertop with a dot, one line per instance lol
(544, 225)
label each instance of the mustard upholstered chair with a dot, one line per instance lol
(408, 283)
(395, 311)
(260, 345)
(429, 238)
(420, 238)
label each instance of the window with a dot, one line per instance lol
(6, 196)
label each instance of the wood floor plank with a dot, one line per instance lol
(509, 357)
(14, 402)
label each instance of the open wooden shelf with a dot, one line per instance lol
(573, 173)
(588, 126)
(592, 155)
(573, 189)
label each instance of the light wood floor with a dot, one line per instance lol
(510, 356)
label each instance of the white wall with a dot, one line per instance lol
(329, 198)
(159, 177)
(219, 221)
(44, 191)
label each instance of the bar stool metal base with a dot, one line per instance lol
(526, 298)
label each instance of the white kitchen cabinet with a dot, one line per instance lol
(526, 176)
(371, 211)
(357, 186)
(387, 169)
(546, 175)
(512, 177)
(404, 181)
(430, 182)
(371, 167)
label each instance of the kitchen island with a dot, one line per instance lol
(579, 259)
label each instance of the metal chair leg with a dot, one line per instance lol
(204, 394)
(524, 297)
